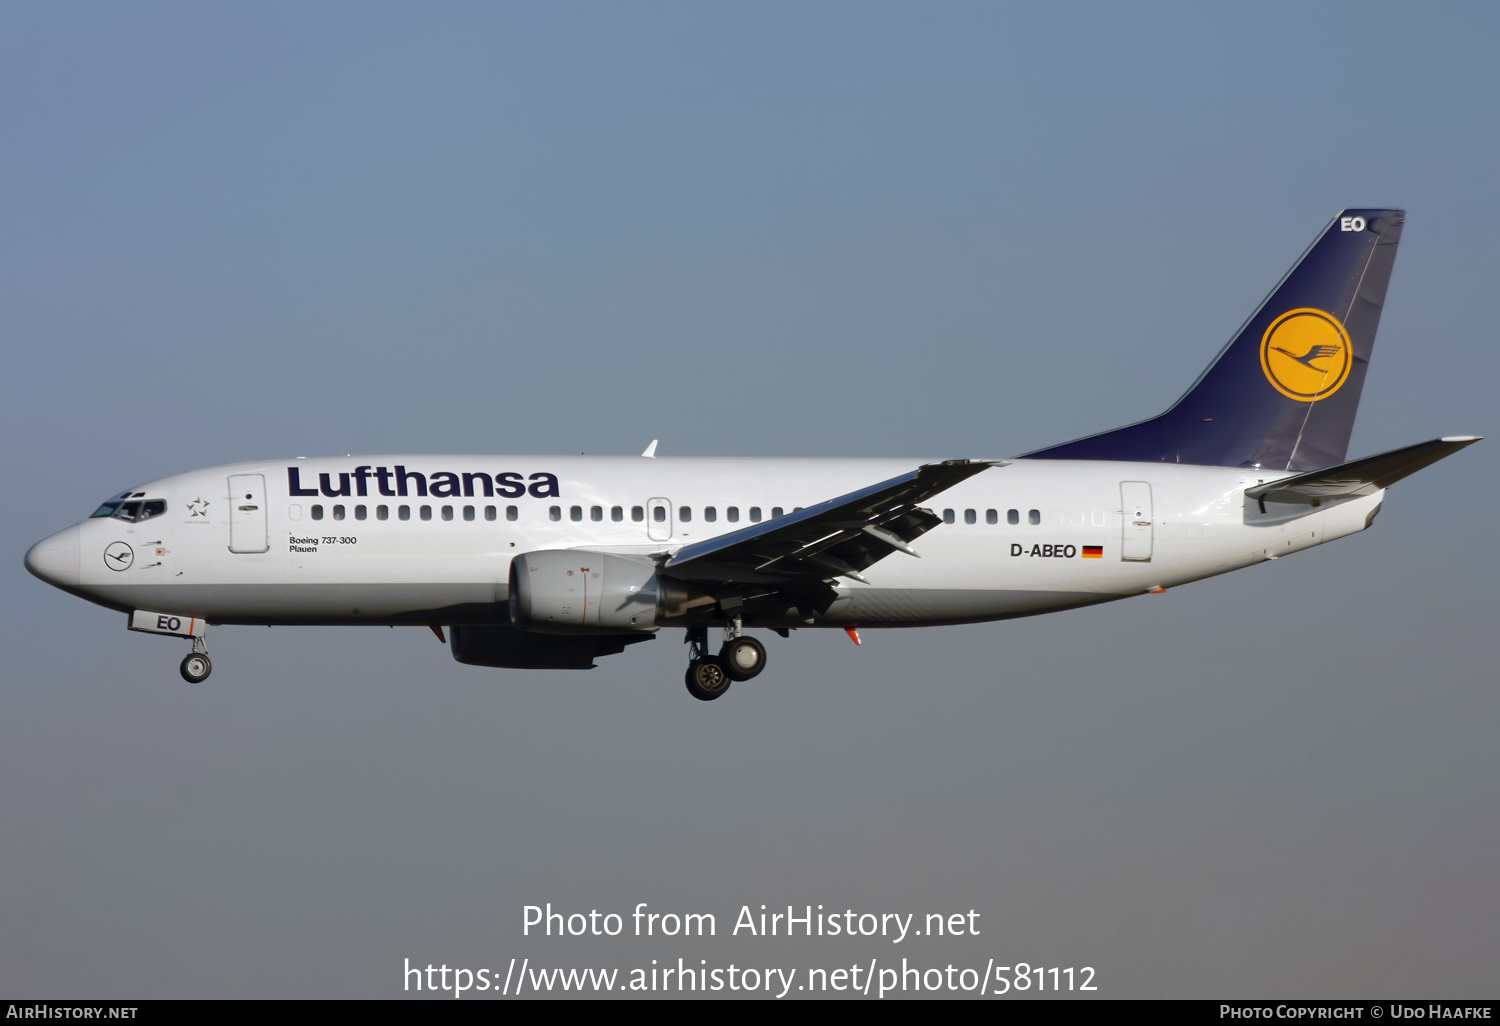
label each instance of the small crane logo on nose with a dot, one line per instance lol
(118, 556)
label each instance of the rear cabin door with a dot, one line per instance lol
(1136, 529)
(247, 513)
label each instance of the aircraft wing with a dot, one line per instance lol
(837, 538)
(1361, 477)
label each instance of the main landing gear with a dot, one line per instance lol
(196, 666)
(740, 658)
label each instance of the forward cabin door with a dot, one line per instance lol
(247, 513)
(1135, 530)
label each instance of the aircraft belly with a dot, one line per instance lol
(912, 607)
(314, 603)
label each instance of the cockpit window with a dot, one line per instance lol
(132, 511)
(152, 508)
(110, 505)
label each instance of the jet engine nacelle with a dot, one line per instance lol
(567, 591)
(497, 645)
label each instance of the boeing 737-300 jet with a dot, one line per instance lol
(552, 561)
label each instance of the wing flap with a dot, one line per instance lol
(836, 538)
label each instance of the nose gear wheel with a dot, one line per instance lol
(196, 667)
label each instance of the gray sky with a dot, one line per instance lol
(831, 229)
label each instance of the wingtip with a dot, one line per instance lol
(1465, 439)
(650, 452)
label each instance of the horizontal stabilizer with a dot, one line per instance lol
(1361, 477)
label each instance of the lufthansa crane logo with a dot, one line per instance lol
(118, 556)
(1306, 354)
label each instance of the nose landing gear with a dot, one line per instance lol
(196, 666)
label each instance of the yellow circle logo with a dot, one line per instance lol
(1306, 354)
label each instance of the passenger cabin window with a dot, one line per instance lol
(1034, 517)
(685, 513)
(338, 512)
(732, 514)
(404, 513)
(489, 513)
(447, 512)
(425, 512)
(617, 513)
(468, 512)
(776, 511)
(1012, 516)
(970, 517)
(710, 514)
(948, 516)
(637, 514)
(991, 516)
(755, 514)
(596, 513)
(382, 512)
(659, 514)
(511, 513)
(554, 513)
(576, 513)
(359, 512)
(317, 512)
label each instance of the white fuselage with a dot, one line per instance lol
(378, 556)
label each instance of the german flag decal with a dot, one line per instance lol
(1093, 552)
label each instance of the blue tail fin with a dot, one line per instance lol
(1282, 395)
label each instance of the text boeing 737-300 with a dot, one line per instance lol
(552, 562)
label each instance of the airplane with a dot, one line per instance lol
(551, 562)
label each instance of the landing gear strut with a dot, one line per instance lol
(196, 666)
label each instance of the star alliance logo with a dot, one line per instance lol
(199, 507)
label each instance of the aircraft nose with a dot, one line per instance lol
(55, 559)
